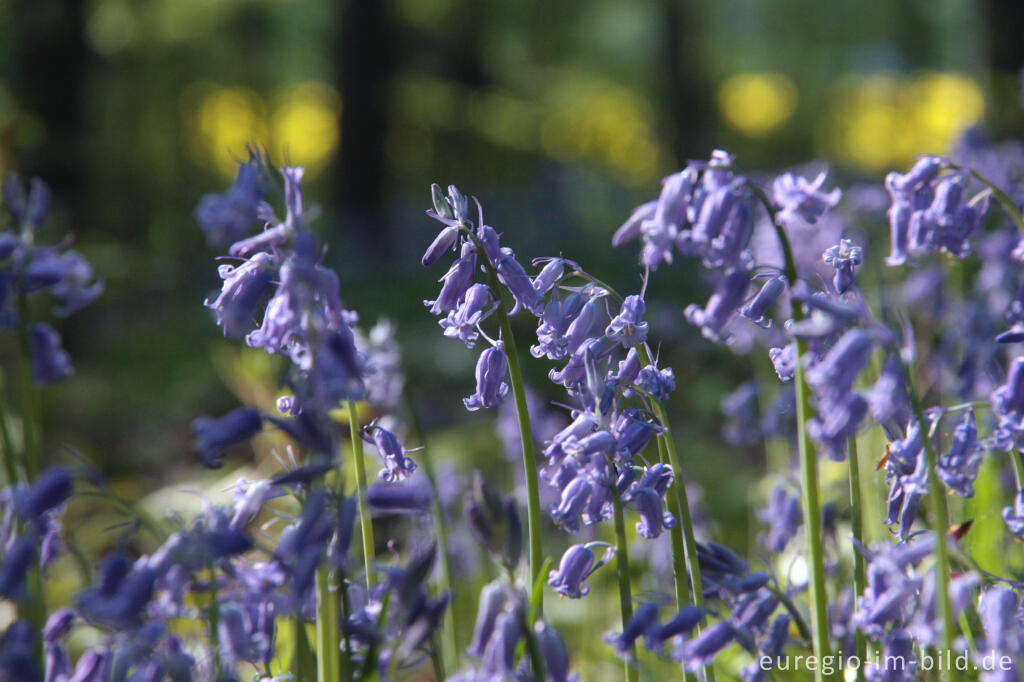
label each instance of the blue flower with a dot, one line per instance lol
(456, 282)
(698, 652)
(225, 218)
(577, 564)
(628, 327)
(50, 362)
(959, 467)
(396, 465)
(491, 387)
(783, 516)
(844, 257)
(755, 310)
(245, 287)
(214, 436)
(461, 323)
(721, 307)
(801, 201)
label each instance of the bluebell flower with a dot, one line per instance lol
(77, 286)
(50, 362)
(628, 327)
(491, 387)
(633, 227)
(549, 276)
(491, 603)
(784, 361)
(889, 400)
(581, 426)
(18, 653)
(577, 564)
(555, 319)
(475, 306)
(51, 489)
(512, 274)
(657, 382)
(214, 436)
(700, 651)
(226, 218)
(723, 304)
(959, 467)
(844, 257)
(14, 567)
(834, 374)
(573, 501)
(680, 624)
(653, 518)
(553, 652)
(839, 424)
(757, 307)
(897, 662)
(998, 611)
(633, 431)
(444, 241)
(245, 287)
(499, 656)
(399, 498)
(907, 473)
(1013, 516)
(643, 620)
(1008, 405)
(783, 516)
(801, 201)
(396, 465)
(28, 209)
(753, 609)
(456, 281)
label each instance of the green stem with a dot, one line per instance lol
(939, 520)
(451, 642)
(214, 613)
(1018, 468)
(328, 664)
(622, 566)
(811, 509)
(365, 521)
(29, 411)
(677, 491)
(515, 374)
(1003, 198)
(857, 526)
(682, 587)
(809, 492)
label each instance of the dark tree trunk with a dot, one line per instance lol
(48, 58)
(364, 68)
(685, 92)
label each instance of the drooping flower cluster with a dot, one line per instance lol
(27, 269)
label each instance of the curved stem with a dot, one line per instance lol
(857, 526)
(809, 492)
(939, 521)
(365, 521)
(515, 374)
(328, 663)
(1018, 468)
(451, 643)
(622, 568)
(1008, 204)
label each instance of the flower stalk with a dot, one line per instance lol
(622, 569)
(365, 520)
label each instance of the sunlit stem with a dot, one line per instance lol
(1018, 468)
(622, 568)
(328, 663)
(939, 514)
(809, 492)
(451, 643)
(857, 527)
(365, 521)
(515, 375)
(1008, 204)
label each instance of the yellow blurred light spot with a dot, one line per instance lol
(755, 104)
(304, 126)
(503, 119)
(228, 120)
(881, 121)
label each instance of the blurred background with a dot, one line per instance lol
(559, 116)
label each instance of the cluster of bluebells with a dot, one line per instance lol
(28, 268)
(931, 212)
